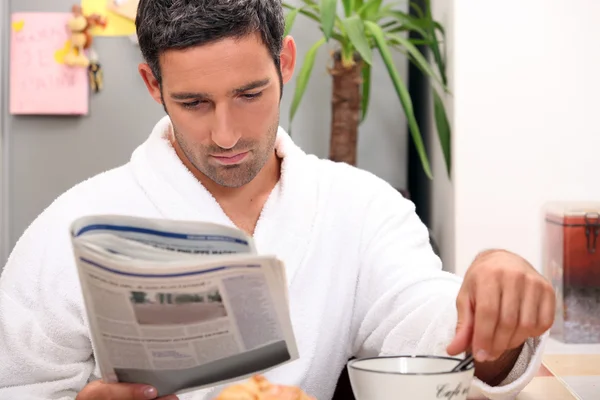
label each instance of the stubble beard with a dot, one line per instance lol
(231, 176)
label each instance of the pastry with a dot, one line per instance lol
(259, 388)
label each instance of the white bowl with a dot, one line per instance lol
(409, 377)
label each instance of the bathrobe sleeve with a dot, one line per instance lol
(45, 351)
(405, 302)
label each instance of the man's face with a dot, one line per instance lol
(223, 101)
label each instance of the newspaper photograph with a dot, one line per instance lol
(180, 305)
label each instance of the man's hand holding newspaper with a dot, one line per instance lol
(99, 390)
(178, 306)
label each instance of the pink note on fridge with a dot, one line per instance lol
(39, 83)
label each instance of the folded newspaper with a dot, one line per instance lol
(180, 305)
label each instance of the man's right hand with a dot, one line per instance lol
(99, 390)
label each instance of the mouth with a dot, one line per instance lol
(231, 160)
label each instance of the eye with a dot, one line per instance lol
(192, 104)
(251, 96)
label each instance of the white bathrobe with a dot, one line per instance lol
(363, 279)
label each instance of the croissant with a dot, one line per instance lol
(259, 388)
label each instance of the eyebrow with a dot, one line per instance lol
(252, 85)
(201, 95)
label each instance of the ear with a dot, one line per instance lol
(151, 82)
(287, 59)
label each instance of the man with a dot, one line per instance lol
(363, 279)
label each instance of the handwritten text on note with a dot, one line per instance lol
(39, 82)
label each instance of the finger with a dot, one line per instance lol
(464, 325)
(99, 390)
(487, 312)
(546, 310)
(529, 313)
(509, 315)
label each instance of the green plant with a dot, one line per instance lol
(364, 26)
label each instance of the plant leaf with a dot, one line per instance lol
(366, 89)
(406, 22)
(417, 8)
(389, 24)
(303, 76)
(441, 63)
(443, 129)
(315, 18)
(289, 20)
(348, 7)
(370, 9)
(416, 55)
(403, 94)
(439, 27)
(328, 14)
(355, 30)
(306, 13)
(385, 9)
(419, 42)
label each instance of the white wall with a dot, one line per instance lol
(526, 87)
(442, 190)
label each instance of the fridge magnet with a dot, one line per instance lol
(79, 26)
(95, 72)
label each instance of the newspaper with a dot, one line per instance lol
(180, 305)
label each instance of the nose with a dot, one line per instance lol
(223, 134)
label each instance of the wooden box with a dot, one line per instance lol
(571, 260)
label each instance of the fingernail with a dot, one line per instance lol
(481, 355)
(150, 393)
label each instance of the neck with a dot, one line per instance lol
(262, 183)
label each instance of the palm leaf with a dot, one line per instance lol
(389, 24)
(348, 7)
(435, 49)
(304, 12)
(366, 89)
(402, 92)
(439, 27)
(328, 14)
(315, 18)
(289, 20)
(406, 22)
(370, 9)
(303, 76)
(417, 8)
(355, 30)
(416, 55)
(419, 42)
(443, 128)
(389, 6)
(383, 10)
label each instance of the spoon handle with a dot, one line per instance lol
(464, 363)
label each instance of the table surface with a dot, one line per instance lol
(569, 372)
(575, 366)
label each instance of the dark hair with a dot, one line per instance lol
(178, 24)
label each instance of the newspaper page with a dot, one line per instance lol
(179, 305)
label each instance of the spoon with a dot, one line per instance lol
(463, 364)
